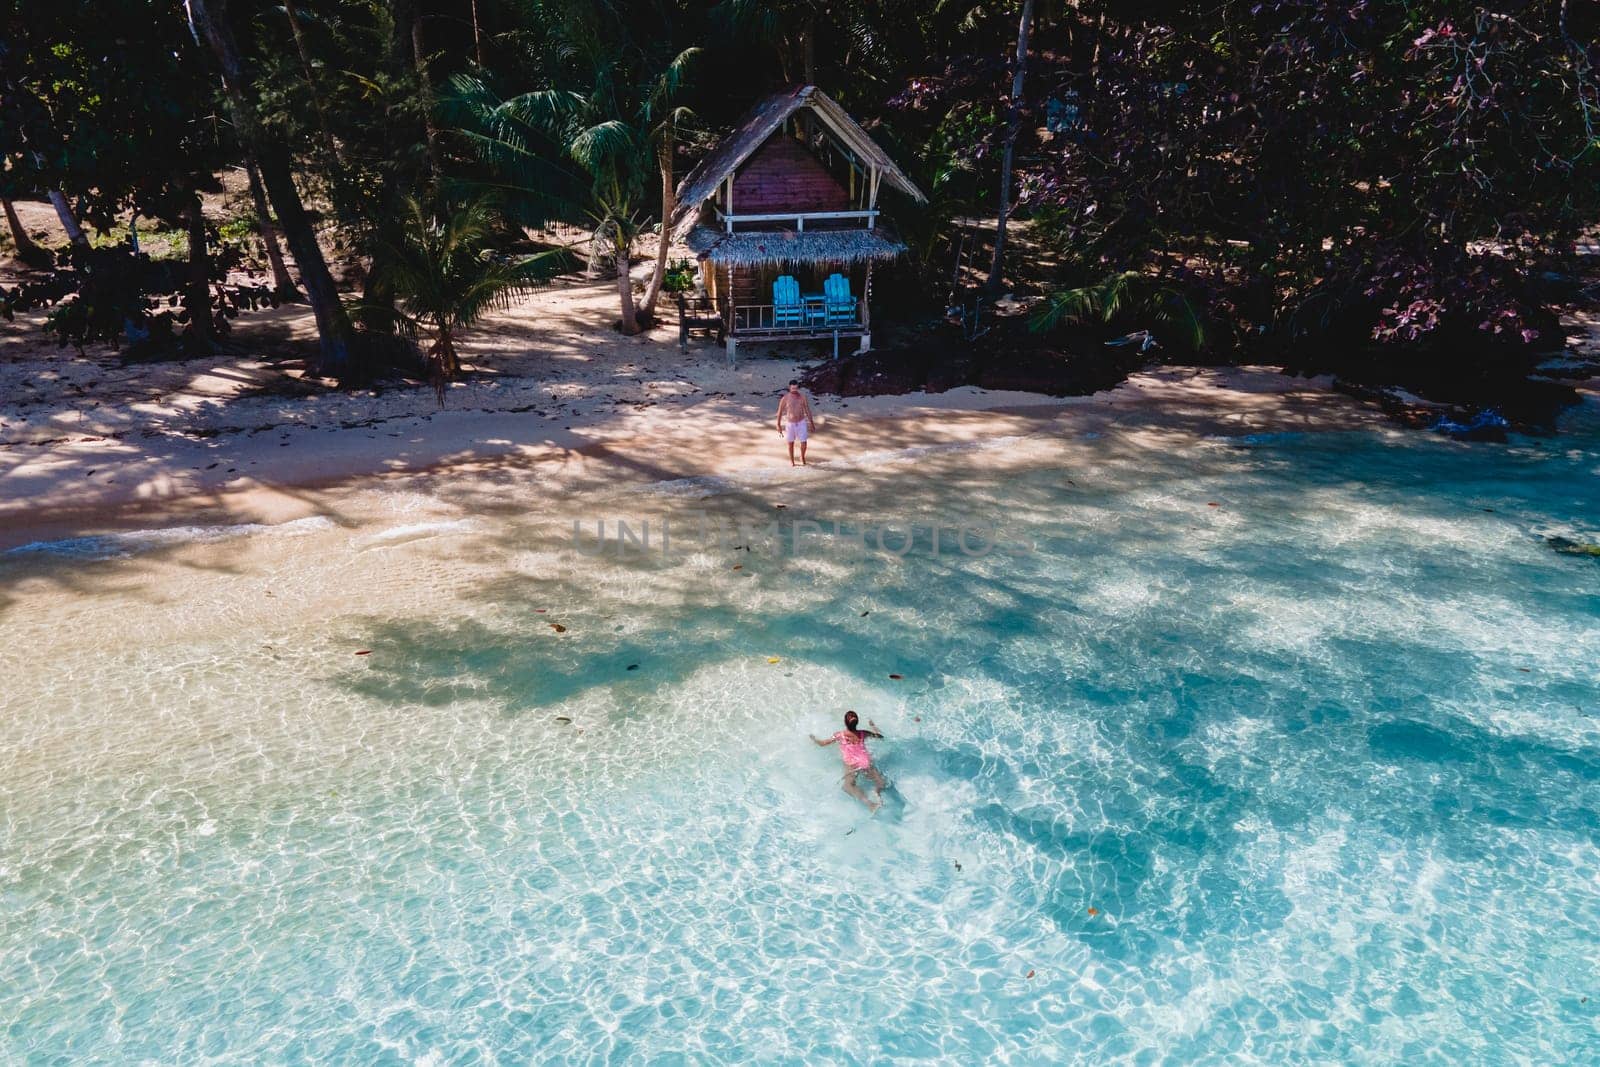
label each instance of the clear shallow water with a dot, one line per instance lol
(1323, 760)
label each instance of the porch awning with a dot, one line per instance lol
(754, 248)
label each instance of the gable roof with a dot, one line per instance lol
(700, 184)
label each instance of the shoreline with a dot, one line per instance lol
(554, 399)
(308, 470)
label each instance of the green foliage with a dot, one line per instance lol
(680, 277)
(112, 295)
(240, 229)
(1128, 299)
(438, 261)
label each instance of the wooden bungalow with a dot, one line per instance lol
(783, 216)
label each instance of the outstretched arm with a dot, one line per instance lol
(874, 731)
(821, 743)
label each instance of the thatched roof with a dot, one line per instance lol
(749, 248)
(752, 132)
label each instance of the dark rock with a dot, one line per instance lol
(1008, 357)
(1568, 547)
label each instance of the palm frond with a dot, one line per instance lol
(1128, 298)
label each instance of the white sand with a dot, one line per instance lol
(87, 445)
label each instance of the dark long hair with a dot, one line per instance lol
(850, 721)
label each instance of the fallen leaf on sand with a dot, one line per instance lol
(365, 652)
(558, 628)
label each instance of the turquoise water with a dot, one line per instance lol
(1309, 776)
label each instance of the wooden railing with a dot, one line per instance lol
(869, 219)
(808, 317)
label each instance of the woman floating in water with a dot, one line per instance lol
(853, 747)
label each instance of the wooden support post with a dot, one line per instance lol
(866, 310)
(866, 299)
(733, 341)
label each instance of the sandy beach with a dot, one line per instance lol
(553, 393)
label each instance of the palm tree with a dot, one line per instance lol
(211, 24)
(588, 154)
(664, 134)
(438, 262)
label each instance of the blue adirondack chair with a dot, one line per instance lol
(786, 307)
(839, 307)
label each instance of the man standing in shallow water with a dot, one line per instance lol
(795, 420)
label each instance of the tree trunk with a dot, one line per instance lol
(420, 57)
(477, 34)
(27, 251)
(630, 317)
(333, 325)
(1013, 122)
(444, 367)
(201, 337)
(669, 204)
(282, 281)
(69, 221)
(309, 73)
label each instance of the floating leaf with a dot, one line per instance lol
(633, 666)
(558, 628)
(772, 659)
(864, 614)
(562, 719)
(896, 677)
(1030, 974)
(1213, 504)
(738, 566)
(365, 652)
(1094, 911)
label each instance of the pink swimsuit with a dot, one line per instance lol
(854, 750)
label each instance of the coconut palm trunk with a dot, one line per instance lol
(1013, 123)
(333, 325)
(27, 251)
(669, 204)
(69, 221)
(282, 280)
(630, 316)
(202, 335)
(309, 73)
